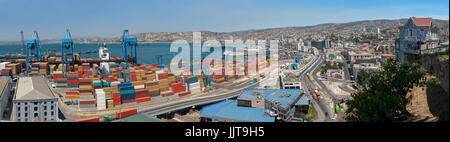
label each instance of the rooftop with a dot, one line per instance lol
(33, 88)
(422, 22)
(302, 101)
(286, 97)
(229, 109)
(290, 77)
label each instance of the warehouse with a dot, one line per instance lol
(257, 105)
(34, 101)
(229, 111)
(4, 94)
(278, 102)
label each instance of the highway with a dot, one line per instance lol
(173, 106)
(307, 84)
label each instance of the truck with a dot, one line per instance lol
(315, 94)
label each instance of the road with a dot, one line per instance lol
(307, 84)
(206, 99)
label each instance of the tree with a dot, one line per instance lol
(381, 94)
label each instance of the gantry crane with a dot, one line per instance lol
(32, 44)
(128, 42)
(67, 43)
(100, 72)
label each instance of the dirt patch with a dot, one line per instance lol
(428, 104)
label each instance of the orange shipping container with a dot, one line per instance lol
(125, 113)
(90, 119)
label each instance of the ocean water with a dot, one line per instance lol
(145, 52)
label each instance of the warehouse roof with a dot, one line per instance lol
(33, 88)
(229, 109)
(140, 118)
(302, 101)
(286, 97)
(3, 83)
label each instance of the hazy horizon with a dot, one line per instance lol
(107, 19)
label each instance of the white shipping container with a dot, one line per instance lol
(3, 65)
(115, 83)
(139, 86)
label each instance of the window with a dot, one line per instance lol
(35, 103)
(36, 115)
(18, 114)
(26, 114)
(18, 108)
(35, 108)
(52, 113)
(51, 107)
(410, 32)
(45, 107)
(26, 108)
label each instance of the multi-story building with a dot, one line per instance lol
(34, 101)
(417, 36)
(290, 81)
(364, 57)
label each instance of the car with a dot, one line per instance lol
(53, 85)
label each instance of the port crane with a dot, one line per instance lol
(128, 42)
(67, 43)
(32, 44)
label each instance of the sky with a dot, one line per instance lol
(108, 18)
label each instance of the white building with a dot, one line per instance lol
(290, 81)
(34, 101)
(416, 36)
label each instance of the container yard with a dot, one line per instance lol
(95, 86)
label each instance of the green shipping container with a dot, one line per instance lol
(127, 92)
(154, 95)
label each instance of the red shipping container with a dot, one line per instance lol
(116, 100)
(72, 92)
(176, 85)
(90, 119)
(141, 96)
(125, 113)
(93, 101)
(163, 75)
(143, 99)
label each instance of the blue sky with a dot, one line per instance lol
(107, 18)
